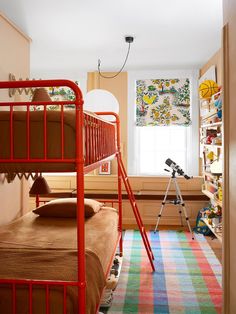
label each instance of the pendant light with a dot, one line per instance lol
(129, 40)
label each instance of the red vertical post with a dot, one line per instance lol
(98, 140)
(28, 132)
(64, 299)
(30, 298)
(47, 300)
(80, 203)
(95, 139)
(37, 200)
(86, 136)
(45, 130)
(89, 139)
(119, 184)
(102, 141)
(14, 298)
(62, 132)
(11, 132)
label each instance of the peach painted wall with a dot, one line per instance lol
(118, 86)
(15, 59)
(216, 60)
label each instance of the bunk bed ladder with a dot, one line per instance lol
(135, 210)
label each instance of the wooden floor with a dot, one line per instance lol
(212, 241)
(216, 246)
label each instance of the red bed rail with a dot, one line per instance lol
(99, 135)
(100, 144)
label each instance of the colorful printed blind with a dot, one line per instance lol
(163, 102)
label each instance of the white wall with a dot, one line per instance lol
(14, 58)
(11, 205)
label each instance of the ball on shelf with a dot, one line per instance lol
(208, 88)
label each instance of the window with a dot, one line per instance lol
(156, 144)
(150, 146)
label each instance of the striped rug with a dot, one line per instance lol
(187, 278)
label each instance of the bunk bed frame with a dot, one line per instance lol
(100, 142)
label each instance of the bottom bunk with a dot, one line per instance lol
(43, 247)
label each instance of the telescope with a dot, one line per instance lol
(179, 199)
(176, 168)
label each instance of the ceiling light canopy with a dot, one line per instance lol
(129, 40)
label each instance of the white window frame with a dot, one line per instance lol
(192, 133)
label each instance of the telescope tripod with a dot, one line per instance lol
(178, 201)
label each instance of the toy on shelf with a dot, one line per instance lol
(218, 105)
(211, 156)
(211, 102)
(214, 215)
(219, 194)
(210, 135)
(214, 162)
(208, 88)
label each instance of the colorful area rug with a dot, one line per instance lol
(187, 278)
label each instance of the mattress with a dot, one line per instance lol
(43, 248)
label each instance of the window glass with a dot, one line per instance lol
(159, 143)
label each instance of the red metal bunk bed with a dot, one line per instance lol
(94, 141)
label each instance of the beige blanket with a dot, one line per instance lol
(45, 248)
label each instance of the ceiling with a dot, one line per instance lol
(71, 35)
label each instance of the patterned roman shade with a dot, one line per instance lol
(163, 102)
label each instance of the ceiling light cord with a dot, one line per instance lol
(115, 75)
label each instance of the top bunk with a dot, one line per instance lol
(53, 136)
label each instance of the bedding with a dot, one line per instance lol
(37, 161)
(36, 247)
(37, 139)
(67, 208)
